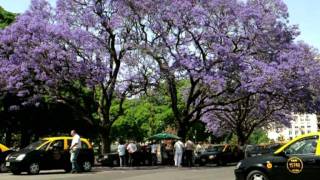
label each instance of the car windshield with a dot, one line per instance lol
(215, 148)
(303, 146)
(35, 145)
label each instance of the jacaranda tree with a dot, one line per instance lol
(238, 60)
(80, 45)
(242, 65)
(6, 18)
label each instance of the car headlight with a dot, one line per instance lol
(7, 158)
(238, 165)
(20, 157)
(212, 156)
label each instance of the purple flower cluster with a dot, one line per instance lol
(240, 57)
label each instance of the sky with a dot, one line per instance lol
(304, 13)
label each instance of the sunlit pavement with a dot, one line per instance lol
(160, 173)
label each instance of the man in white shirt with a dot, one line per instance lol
(132, 148)
(154, 149)
(199, 148)
(122, 153)
(178, 152)
(189, 152)
(74, 151)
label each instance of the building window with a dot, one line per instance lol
(307, 118)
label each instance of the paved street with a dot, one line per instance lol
(207, 173)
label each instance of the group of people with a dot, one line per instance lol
(178, 149)
(131, 148)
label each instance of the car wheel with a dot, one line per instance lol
(257, 175)
(115, 163)
(86, 166)
(202, 162)
(34, 168)
(3, 167)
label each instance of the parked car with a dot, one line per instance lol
(258, 150)
(142, 158)
(4, 152)
(47, 154)
(109, 159)
(220, 155)
(296, 160)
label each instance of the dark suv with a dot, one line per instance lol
(220, 155)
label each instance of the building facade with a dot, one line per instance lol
(301, 124)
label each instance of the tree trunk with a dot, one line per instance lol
(182, 131)
(242, 139)
(105, 139)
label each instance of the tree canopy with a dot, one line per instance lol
(234, 65)
(6, 18)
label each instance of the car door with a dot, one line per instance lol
(44, 157)
(227, 154)
(54, 154)
(237, 155)
(298, 160)
(85, 153)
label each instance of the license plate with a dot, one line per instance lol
(7, 164)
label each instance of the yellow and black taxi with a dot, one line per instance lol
(298, 159)
(220, 155)
(4, 152)
(49, 153)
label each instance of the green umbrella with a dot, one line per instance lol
(163, 136)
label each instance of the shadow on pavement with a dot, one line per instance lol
(56, 173)
(105, 168)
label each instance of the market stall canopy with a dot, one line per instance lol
(164, 136)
